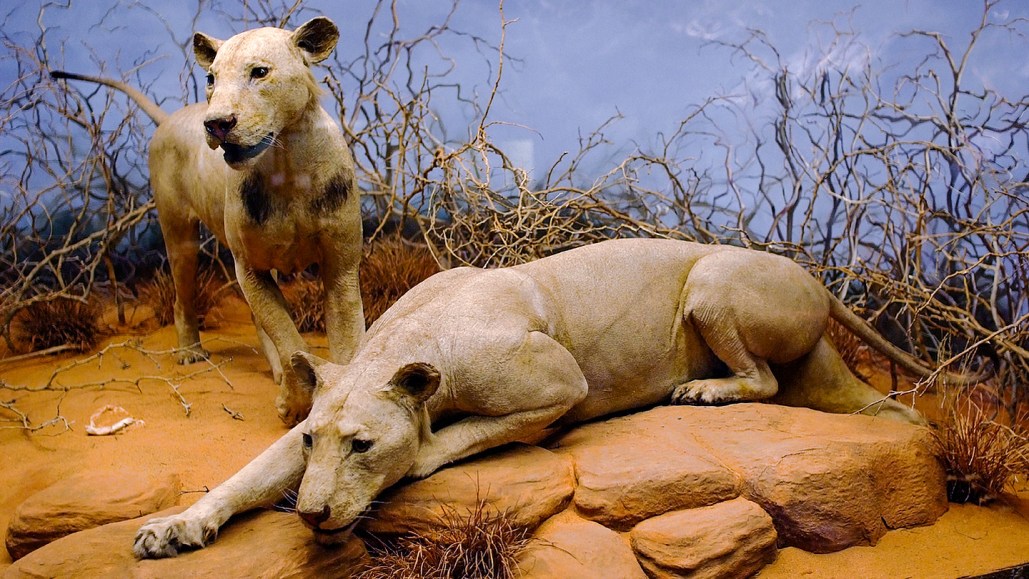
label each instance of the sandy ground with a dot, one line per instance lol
(208, 444)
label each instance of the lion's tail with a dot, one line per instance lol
(146, 103)
(842, 314)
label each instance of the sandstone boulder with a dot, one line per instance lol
(731, 539)
(257, 544)
(527, 483)
(570, 547)
(630, 469)
(829, 481)
(85, 501)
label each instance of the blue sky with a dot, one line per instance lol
(578, 63)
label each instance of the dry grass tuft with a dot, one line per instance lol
(482, 543)
(850, 347)
(59, 322)
(981, 456)
(391, 266)
(159, 294)
(304, 296)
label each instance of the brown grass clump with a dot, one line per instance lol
(391, 266)
(850, 347)
(981, 456)
(159, 294)
(482, 543)
(58, 322)
(306, 305)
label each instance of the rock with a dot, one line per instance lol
(527, 483)
(701, 490)
(731, 539)
(829, 481)
(632, 468)
(84, 501)
(256, 544)
(570, 547)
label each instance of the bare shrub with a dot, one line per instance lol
(479, 544)
(49, 324)
(75, 210)
(391, 266)
(981, 456)
(159, 294)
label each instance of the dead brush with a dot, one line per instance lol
(481, 543)
(58, 322)
(980, 456)
(159, 294)
(391, 266)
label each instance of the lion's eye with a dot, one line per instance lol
(210, 79)
(308, 441)
(361, 446)
(259, 72)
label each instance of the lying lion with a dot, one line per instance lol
(280, 194)
(471, 359)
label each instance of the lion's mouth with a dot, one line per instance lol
(333, 536)
(235, 154)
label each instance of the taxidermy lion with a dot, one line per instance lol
(280, 193)
(471, 359)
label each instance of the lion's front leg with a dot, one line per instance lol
(167, 536)
(260, 483)
(478, 433)
(344, 314)
(272, 315)
(530, 390)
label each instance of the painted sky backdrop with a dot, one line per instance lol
(573, 64)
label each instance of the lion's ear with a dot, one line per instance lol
(306, 367)
(317, 38)
(418, 381)
(205, 48)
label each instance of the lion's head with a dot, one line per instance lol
(362, 436)
(258, 83)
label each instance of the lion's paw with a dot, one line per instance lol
(293, 406)
(683, 395)
(694, 392)
(165, 537)
(191, 355)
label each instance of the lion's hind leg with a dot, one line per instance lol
(182, 240)
(751, 378)
(750, 309)
(821, 380)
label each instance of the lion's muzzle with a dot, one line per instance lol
(314, 519)
(219, 127)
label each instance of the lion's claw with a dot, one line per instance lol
(192, 355)
(293, 403)
(167, 536)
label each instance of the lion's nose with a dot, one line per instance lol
(315, 518)
(219, 127)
